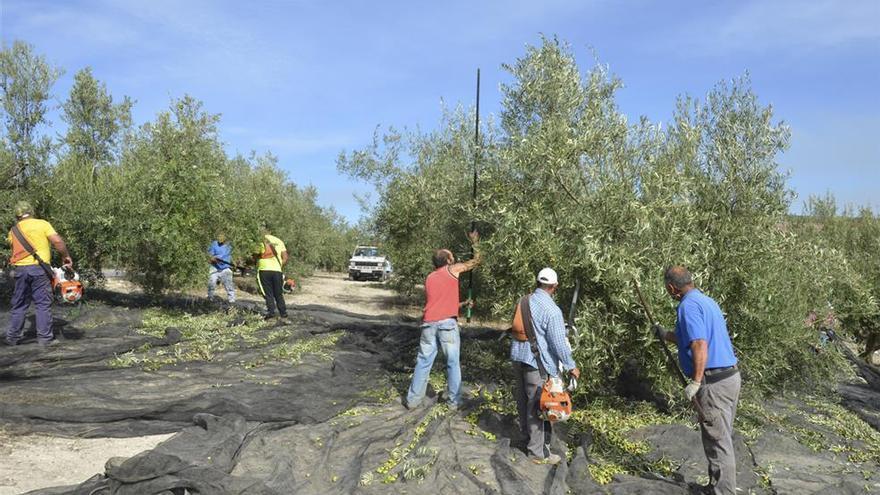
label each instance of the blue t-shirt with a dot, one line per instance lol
(699, 317)
(222, 252)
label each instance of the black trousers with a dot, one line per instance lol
(271, 284)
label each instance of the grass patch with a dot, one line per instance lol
(437, 381)
(381, 395)
(319, 347)
(400, 453)
(500, 401)
(862, 442)
(203, 336)
(819, 423)
(485, 362)
(610, 419)
(419, 465)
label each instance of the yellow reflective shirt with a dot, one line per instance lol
(269, 262)
(37, 233)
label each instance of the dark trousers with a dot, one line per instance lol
(31, 284)
(271, 286)
(528, 403)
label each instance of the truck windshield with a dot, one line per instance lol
(366, 252)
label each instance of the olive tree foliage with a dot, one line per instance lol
(81, 196)
(148, 199)
(567, 181)
(164, 209)
(853, 234)
(261, 194)
(175, 190)
(96, 125)
(26, 79)
(424, 182)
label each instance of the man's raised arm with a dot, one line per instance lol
(466, 266)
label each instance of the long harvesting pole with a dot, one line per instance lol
(669, 359)
(470, 291)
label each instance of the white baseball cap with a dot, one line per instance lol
(548, 276)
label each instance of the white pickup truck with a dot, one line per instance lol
(368, 262)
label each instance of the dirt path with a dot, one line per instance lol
(336, 291)
(30, 462)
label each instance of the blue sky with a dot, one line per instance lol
(306, 79)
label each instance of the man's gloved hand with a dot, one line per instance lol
(574, 374)
(690, 391)
(659, 331)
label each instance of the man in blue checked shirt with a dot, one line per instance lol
(554, 351)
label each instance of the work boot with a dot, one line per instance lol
(283, 320)
(51, 343)
(551, 459)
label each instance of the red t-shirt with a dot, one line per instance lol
(441, 295)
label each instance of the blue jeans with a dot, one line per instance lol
(225, 276)
(443, 334)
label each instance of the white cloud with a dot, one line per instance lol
(66, 21)
(781, 24)
(304, 144)
(161, 40)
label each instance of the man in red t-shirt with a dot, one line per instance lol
(440, 324)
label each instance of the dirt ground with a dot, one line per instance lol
(336, 291)
(30, 462)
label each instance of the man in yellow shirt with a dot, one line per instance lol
(270, 258)
(32, 282)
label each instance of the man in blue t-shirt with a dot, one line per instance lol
(706, 356)
(220, 254)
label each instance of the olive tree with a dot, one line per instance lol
(79, 194)
(165, 186)
(567, 181)
(853, 234)
(26, 80)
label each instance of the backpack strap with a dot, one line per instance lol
(530, 333)
(274, 252)
(19, 235)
